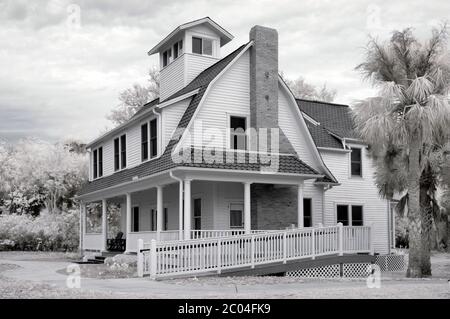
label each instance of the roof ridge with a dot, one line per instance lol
(322, 102)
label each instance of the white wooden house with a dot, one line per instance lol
(165, 169)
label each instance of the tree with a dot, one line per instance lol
(406, 124)
(132, 99)
(304, 90)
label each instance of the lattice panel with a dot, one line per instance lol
(356, 270)
(392, 262)
(329, 271)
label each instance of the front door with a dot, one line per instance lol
(197, 213)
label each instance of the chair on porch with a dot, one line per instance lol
(116, 244)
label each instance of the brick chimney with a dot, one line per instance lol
(264, 83)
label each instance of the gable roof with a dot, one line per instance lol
(335, 118)
(225, 36)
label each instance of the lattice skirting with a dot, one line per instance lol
(329, 271)
(392, 262)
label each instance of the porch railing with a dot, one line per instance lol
(206, 233)
(190, 257)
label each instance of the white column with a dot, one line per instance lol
(300, 205)
(159, 211)
(128, 213)
(180, 210)
(247, 208)
(104, 225)
(187, 209)
(82, 224)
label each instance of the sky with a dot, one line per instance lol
(64, 62)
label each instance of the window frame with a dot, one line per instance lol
(119, 163)
(167, 54)
(135, 221)
(157, 139)
(144, 144)
(194, 218)
(242, 214)
(179, 49)
(97, 162)
(202, 39)
(351, 162)
(350, 212)
(310, 212)
(247, 139)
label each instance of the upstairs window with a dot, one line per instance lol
(238, 138)
(95, 161)
(153, 138)
(356, 165)
(202, 46)
(166, 57)
(120, 153)
(144, 142)
(177, 49)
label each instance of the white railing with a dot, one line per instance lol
(148, 236)
(164, 259)
(210, 233)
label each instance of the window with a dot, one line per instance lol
(123, 151)
(97, 162)
(350, 215)
(153, 219)
(166, 219)
(307, 212)
(197, 214)
(135, 219)
(144, 142)
(202, 46)
(116, 154)
(177, 49)
(120, 153)
(355, 156)
(236, 216)
(238, 138)
(153, 138)
(196, 45)
(166, 57)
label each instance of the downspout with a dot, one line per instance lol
(180, 205)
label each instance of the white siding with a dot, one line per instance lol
(172, 77)
(229, 95)
(195, 64)
(134, 146)
(316, 194)
(357, 191)
(226, 193)
(295, 131)
(108, 158)
(171, 116)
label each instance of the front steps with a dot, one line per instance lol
(99, 259)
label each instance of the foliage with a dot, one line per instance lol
(406, 126)
(132, 99)
(304, 90)
(36, 174)
(48, 231)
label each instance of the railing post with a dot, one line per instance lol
(252, 251)
(153, 259)
(140, 258)
(284, 248)
(313, 244)
(372, 239)
(341, 239)
(219, 256)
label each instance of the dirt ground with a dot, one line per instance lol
(44, 275)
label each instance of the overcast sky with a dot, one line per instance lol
(63, 63)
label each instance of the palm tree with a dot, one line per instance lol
(407, 123)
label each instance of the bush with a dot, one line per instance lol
(48, 231)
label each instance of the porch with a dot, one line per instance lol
(192, 205)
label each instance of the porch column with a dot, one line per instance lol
(180, 210)
(82, 224)
(159, 211)
(128, 213)
(104, 225)
(300, 205)
(247, 208)
(187, 209)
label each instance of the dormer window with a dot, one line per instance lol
(202, 46)
(166, 57)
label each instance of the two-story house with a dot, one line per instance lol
(227, 150)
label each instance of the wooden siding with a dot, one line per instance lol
(295, 131)
(229, 95)
(356, 191)
(195, 64)
(171, 116)
(172, 77)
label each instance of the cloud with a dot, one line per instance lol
(63, 62)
